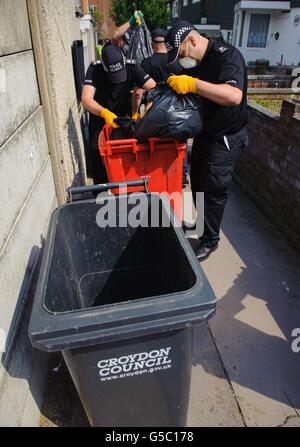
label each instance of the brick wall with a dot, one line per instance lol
(269, 169)
(108, 26)
(269, 81)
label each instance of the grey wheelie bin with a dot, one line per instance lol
(119, 301)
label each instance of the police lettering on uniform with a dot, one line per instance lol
(217, 73)
(107, 94)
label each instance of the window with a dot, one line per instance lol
(185, 2)
(258, 31)
(175, 10)
(242, 28)
(196, 1)
(235, 28)
(93, 8)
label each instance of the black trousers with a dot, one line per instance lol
(97, 166)
(212, 166)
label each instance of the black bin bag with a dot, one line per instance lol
(171, 115)
(140, 46)
(126, 129)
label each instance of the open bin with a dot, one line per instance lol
(160, 160)
(119, 302)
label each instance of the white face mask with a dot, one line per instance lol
(187, 62)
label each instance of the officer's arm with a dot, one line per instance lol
(88, 102)
(223, 94)
(136, 99)
(135, 19)
(228, 91)
(138, 93)
(121, 31)
(149, 85)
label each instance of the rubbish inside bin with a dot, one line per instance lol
(126, 129)
(94, 266)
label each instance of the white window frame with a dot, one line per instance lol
(250, 18)
(175, 8)
(240, 37)
(236, 29)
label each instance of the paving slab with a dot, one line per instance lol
(255, 275)
(212, 401)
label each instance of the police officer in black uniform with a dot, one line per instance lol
(157, 65)
(216, 72)
(158, 68)
(106, 95)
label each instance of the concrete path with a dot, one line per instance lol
(244, 370)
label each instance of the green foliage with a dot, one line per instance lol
(155, 12)
(120, 11)
(272, 104)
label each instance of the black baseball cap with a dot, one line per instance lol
(114, 64)
(159, 35)
(175, 37)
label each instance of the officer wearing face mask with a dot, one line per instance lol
(217, 73)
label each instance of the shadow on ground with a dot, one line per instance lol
(62, 406)
(259, 310)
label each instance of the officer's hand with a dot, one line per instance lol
(136, 18)
(109, 117)
(182, 84)
(136, 116)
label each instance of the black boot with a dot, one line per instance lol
(205, 248)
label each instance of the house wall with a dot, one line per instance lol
(28, 197)
(192, 12)
(221, 12)
(41, 155)
(287, 45)
(107, 24)
(217, 12)
(269, 168)
(88, 37)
